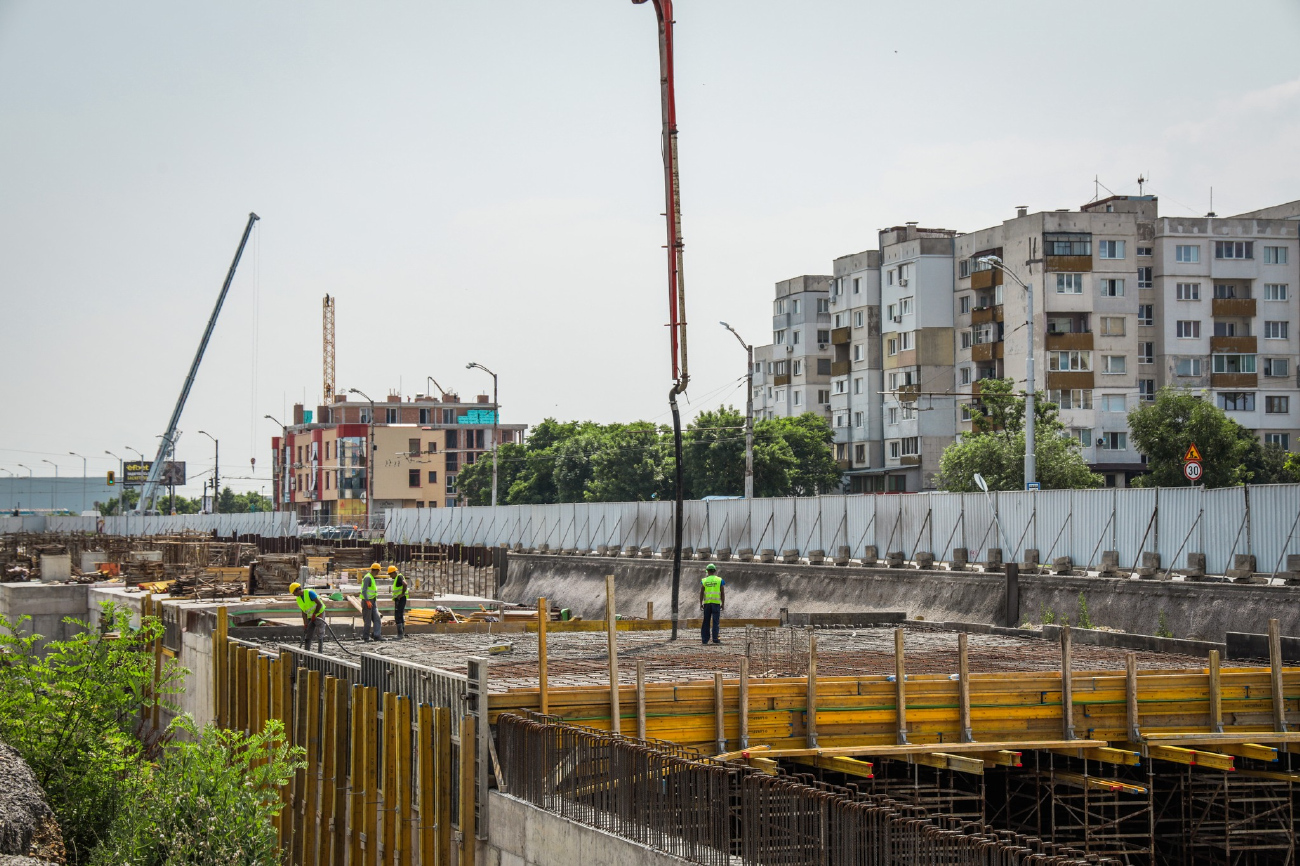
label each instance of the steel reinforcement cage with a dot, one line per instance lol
(673, 799)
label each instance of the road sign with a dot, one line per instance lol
(1193, 453)
(1034, 485)
(1192, 469)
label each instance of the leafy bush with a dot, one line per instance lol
(208, 801)
(1085, 621)
(1162, 626)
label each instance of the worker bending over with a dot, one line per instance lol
(399, 599)
(713, 595)
(370, 604)
(313, 609)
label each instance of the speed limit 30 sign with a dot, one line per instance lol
(1192, 470)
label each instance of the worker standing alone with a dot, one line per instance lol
(370, 604)
(309, 602)
(713, 595)
(399, 599)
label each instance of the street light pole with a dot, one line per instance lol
(56, 482)
(216, 468)
(1031, 455)
(121, 481)
(282, 459)
(749, 413)
(496, 424)
(83, 479)
(370, 460)
(29, 482)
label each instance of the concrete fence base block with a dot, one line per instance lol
(745, 554)
(632, 550)
(543, 548)
(1109, 562)
(518, 548)
(767, 554)
(687, 552)
(602, 549)
(1243, 567)
(666, 552)
(703, 554)
(1150, 566)
(925, 561)
(1030, 564)
(723, 554)
(894, 559)
(1195, 566)
(870, 556)
(646, 553)
(816, 557)
(993, 559)
(789, 556)
(960, 559)
(1062, 565)
(842, 555)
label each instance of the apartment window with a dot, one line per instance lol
(451, 484)
(1277, 368)
(892, 346)
(839, 386)
(1275, 291)
(823, 366)
(1143, 252)
(860, 455)
(1188, 367)
(779, 337)
(1146, 352)
(1277, 405)
(894, 449)
(299, 455)
(1147, 390)
(907, 341)
(857, 284)
(1069, 284)
(413, 478)
(780, 395)
(1234, 249)
(911, 445)
(823, 396)
(1113, 441)
(857, 419)
(1078, 398)
(893, 381)
(963, 268)
(857, 352)
(794, 337)
(966, 414)
(839, 320)
(1281, 440)
(798, 397)
(857, 385)
(1112, 402)
(823, 305)
(413, 447)
(1234, 364)
(424, 416)
(1146, 314)
(1071, 360)
(893, 414)
(1110, 249)
(1114, 364)
(857, 319)
(983, 334)
(1275, 255)
(780, 307)
(1230, 290)
(391, 415)
(892, 311)
(1144, 278)
(824, 337)
(796, 368)
(449, 416)
(964, 302)
(1187, 253)
(1229, 329)
(433, 476)
(1067, 244)
(1275, 330)
(1237, 401)
(905, 306)
(908, 413)
(841, 419)
(965, 375)
(431, 448)
(891, 277)
(1112, 288)
(365, 416)
(965, 339)
(1189, 329)
(1112, 326)
(1188, 292)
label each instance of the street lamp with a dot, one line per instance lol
(496, 422)
(29, 482)
(749, 413)
(1031, 457)
(370, 456)
(83, 478)
(56, 481)
(121, 490)
(284, 463)
(216, 468)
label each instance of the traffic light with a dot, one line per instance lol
(112, 477)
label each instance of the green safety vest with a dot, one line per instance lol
(399, 590)
(307, 601)
(369, 591)
(712, 589)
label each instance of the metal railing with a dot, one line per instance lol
(349, 672)
(675, 800)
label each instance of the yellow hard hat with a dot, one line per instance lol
(392, 569)
(294, 587)
(374, 566)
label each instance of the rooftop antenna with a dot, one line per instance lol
(1141, 181)
(1211, 213)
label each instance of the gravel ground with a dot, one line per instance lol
(27, 826)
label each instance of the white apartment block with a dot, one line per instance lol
(796, 367)
(857, 377)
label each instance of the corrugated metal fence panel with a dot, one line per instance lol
(695, 524)
(946, 517)
(724, 521)
(1274, 512)
(861, 523)
(981, 531)
(1178, 532)
(1092, 526)
(784, 532)
(1016, 511)
(889, 524)
(1052, 523)
(809, 519)
(914, 529)
(762, 519)
(1134, 529)
(834, 533)
(1225, 527)
(66, 523)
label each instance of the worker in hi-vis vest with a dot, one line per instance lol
(713, 595)
(370, 604)
(399, 599)
(309, 602)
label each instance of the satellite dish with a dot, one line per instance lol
(981, 483)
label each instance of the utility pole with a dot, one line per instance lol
(749, 413)
(216, 469)
(56, 482)
(1031, 455)
(496, 422)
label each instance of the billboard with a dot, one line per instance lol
(173, 473)
(136, 472)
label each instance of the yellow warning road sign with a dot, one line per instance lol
(1193, 453)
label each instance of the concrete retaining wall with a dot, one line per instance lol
(1197, 611)
(520, 834)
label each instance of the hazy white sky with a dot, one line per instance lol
(480, 181)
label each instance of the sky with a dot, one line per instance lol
(481, 181)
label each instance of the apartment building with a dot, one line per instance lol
(797, 364)
(418, 445)
(1225, 315)
(856, 372)
(1091, 275)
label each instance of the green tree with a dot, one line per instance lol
(713, 454)
(810, 440)
(995, 448)
(226, 502)
(474, 482)
(1163, 429)
(111, 507)
(628, 464)
(572, 458)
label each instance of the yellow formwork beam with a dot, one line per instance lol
(1000, 758)
(1096, 784)
(1121, 757)
(1190, 757)
(848, 766)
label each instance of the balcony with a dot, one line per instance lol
(909, 393)
(843, 465)
(1233, 307)
(1072, 340)
(839, 368)
(1234, 380)
(910, 460)
(984, 315)
(986, 351)
(1069, 263)
(839, 336)
(986, 279)
(1234, 345)
(1067, 380)
(781, 379)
